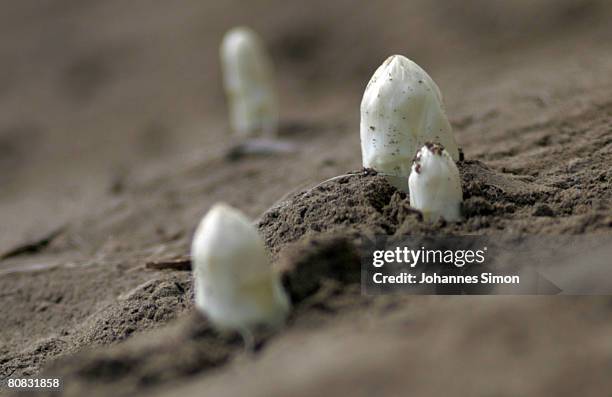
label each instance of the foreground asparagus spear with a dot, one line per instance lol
(235, 286)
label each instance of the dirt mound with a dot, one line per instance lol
(364, 203)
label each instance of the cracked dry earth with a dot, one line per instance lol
(114, 170)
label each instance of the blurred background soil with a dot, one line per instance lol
(113, 143)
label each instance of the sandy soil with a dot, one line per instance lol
(114, 142)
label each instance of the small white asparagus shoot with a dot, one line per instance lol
(401, 109)
(248, 78)
(235, 285)
(435, 185)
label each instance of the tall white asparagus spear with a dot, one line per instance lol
(401, 109)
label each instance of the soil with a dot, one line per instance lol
(114, 142)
